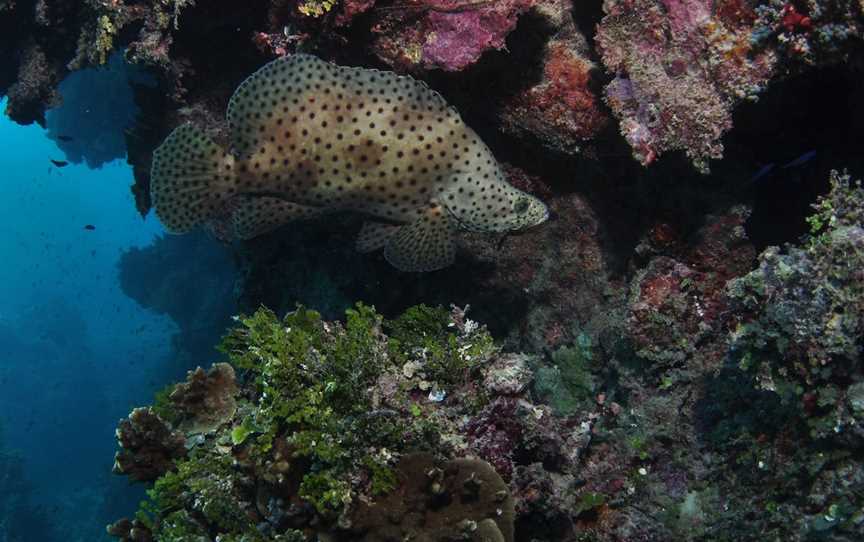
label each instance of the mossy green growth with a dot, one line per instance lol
(204, 483)
(106, 30)
(588, 502)
(311, 379)
(162, 405)
(430, 332)
(383, 477)
(178, 526)
(325, 492)
(316, 8)
(240, 433)
(568, 384)
(311, 418)
(417, 325)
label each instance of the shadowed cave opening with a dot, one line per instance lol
(98, 107)
(797, 132)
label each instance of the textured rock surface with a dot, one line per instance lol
(681, 388)
(148, 446)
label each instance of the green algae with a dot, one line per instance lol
(307, 420)
(162, 405)
(568, 384)
(430, 331)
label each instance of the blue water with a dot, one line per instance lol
(77, 354)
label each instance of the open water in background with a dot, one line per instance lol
(76, 354)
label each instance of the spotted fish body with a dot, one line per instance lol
(309, 137)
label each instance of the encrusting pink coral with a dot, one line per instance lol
(679, 70)
(446, 34)
(562, 109)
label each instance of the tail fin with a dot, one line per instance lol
(191, 179)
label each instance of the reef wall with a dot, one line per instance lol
(700, 377)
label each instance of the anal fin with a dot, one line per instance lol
(423, 245)
(251, 216)
(374, 235)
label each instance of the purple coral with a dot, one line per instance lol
(680, 68)
(446, 34)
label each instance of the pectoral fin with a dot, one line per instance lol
(424, 245)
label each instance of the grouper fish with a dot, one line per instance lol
(309, 137)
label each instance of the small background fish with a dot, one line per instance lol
(309, 137)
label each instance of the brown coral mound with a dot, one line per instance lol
(206, 400)
(462, 499)
(148, 446)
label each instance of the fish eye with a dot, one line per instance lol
(521, 206)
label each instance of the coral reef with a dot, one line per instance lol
(334, 421)
(148, 446)
(562, 109)
(680, 414)
(810, 32)
(678, 69)
(800, 315)
(681, 66)
(205, 401)
(445, 34)
(673, 383)
(460, 499)
(677, 302)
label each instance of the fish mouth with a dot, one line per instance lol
(546, 215)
